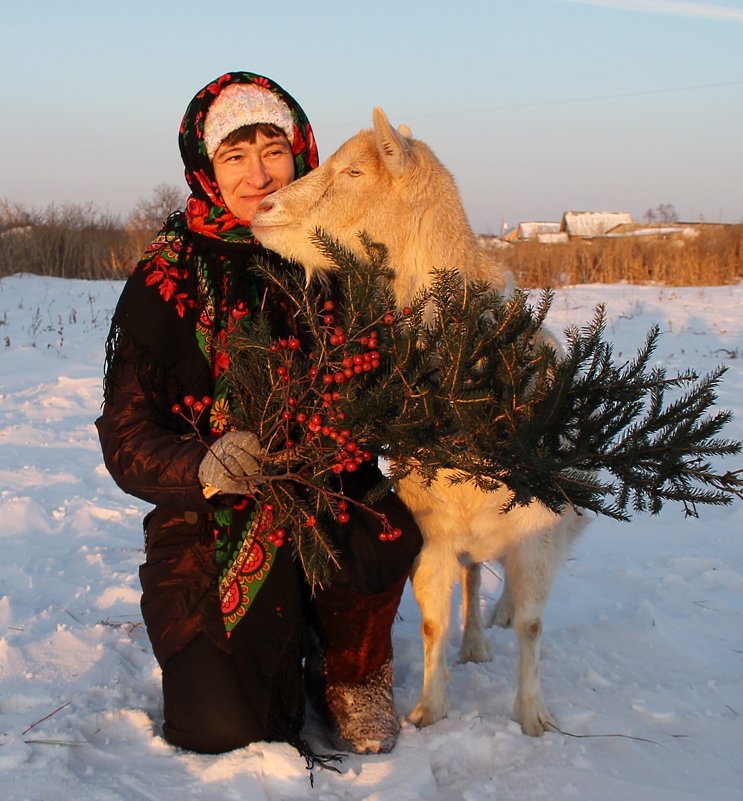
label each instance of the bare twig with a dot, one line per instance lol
(491, 571)
(46, 717)
(591, 736)
(76, 743)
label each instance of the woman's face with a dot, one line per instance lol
(249, 171)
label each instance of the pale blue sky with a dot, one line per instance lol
(536, 106)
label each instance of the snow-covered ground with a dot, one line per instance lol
(642, 654)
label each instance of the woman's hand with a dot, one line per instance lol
(229, 463)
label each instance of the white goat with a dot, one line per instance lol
(392, 187)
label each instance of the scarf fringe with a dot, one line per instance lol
(313, 760)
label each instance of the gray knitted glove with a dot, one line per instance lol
(229, 462)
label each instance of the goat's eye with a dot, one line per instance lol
(354, 172)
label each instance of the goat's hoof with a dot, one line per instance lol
(502, 615)
(536, 728)
(535, 721)
(422, 715)
(474, 652)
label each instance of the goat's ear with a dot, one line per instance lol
(392, 146)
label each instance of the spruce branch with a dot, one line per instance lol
(463, 380)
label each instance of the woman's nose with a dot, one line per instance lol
(256, 174)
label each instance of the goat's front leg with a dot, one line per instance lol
(433, 579)
(529, 569)
(530, 709)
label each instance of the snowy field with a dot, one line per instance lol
(642, 654)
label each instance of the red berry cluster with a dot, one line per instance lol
(277, 537)
(191, 409)
(342, 515)
(308, 395)
(310, 407)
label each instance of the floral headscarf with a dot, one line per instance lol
(206, 212)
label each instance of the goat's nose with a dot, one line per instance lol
(265, 205)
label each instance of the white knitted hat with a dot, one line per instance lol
(244, 104)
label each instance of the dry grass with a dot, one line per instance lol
(714, 257)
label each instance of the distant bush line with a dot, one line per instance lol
(74, 240)
(79, 241)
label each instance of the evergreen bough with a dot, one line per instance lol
(462, 380)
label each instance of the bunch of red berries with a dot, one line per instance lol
(191, 409)
(277, 537)
(312, 397)
(308, 422)
(305, 397)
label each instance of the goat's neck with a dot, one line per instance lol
(433, 246)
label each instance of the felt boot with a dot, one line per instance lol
(349, 668)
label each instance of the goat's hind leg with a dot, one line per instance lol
(502, 614)
(474, 646)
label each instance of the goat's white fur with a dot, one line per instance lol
(393, 188)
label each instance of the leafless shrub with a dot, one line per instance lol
(70, 240)
(78, 240)
(663, 212)
(149, 214)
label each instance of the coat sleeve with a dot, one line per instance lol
(145, 457)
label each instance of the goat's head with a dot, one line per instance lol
(381, 182)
